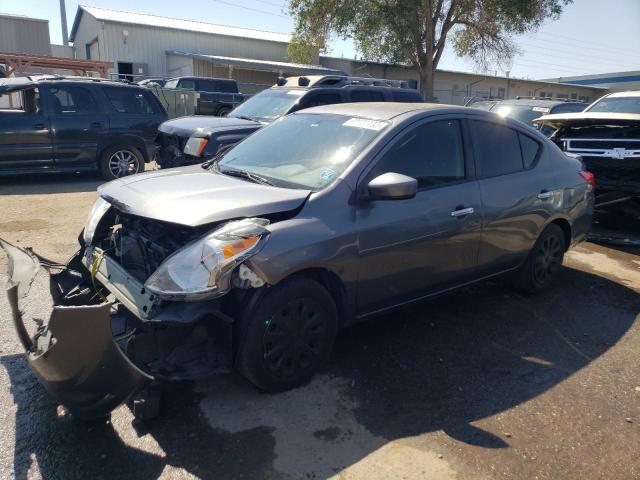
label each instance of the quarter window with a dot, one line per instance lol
(76, 100)
(432, 153)
(129, 100)
(529, 148)
(498, 149)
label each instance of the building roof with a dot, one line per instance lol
(254, 64)
(116, 16)
(600, 78)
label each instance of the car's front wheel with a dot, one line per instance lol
(544, 260)
(120, 161)
(288, 335)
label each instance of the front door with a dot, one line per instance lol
(25, 134)
(77, 125)
(414, 247)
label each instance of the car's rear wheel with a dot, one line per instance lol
(544, 260)
(288, 335)
(223, 112)
(120, 161)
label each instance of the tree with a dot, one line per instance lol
(415, 32)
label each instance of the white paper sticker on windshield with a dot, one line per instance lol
(297, 93)
(540, 109)
(365, 123)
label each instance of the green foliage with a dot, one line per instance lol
(415, 32)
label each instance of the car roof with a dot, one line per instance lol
(530, 102)
(629, 93)
(383, 110)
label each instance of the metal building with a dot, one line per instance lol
(141, 45)
(614, 82)
(20, 34)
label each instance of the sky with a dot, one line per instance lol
(591, 36)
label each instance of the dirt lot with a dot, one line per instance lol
(483, 383)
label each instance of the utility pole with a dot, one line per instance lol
(63, 21)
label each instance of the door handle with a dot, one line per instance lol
(544, 194)
(96, 125)
(462, 212)
(39, 126)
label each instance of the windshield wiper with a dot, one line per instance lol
(254, 177)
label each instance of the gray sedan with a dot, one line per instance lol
(256, 259)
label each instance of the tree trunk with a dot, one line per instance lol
(426, 83)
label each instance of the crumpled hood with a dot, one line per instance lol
(203, 125)
(192, 196)
(584, 119)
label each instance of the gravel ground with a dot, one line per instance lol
(482, 383)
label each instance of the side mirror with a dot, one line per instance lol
(392, 186)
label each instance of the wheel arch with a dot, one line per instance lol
(124, 141)
(565, 226)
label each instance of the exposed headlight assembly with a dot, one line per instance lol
(202, 269)
(98, 210)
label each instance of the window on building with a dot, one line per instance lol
(501, 93)
(71, 99)
(432, 153)
(366, 96)
(130, 100)
(543, 94)
(574, 96)
(498, 149)
(87, 51)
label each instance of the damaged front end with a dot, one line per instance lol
(141, 301)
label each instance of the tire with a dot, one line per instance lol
(223, 112)
(544, 260)
(288, 335)
(120, 161)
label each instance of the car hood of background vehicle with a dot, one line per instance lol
(203, 125)
(193, 196)
(584, 119)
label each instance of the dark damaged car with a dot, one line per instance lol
(607, 138)
(326, 217)
(191, 140)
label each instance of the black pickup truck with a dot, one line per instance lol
(218, 96)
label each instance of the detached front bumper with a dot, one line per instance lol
(74, 354)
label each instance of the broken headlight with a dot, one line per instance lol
(99, 208)
(201, 269)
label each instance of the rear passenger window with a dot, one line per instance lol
(529, 148)
(366, 96)
(402, 96)
(432, 153)
(498, 149)
(129, 100)
(321, 99)
(67, 99)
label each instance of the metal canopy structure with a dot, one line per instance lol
(260, 65)
(20, 63)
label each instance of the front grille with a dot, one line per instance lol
(605, 144)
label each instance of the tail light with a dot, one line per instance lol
(589, 177)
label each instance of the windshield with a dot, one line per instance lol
(617, 105)
(303, 150)
(267, 106)
(524, 113)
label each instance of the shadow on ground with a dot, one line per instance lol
(38, 184)
(437, 366)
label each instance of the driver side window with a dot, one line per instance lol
(432, 153)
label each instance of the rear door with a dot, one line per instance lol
(78, 124)
(409, 248)
(517, 197)
(25, 134)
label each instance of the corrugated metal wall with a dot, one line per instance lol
(24, 35)
(250, 81)
(149, 45)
